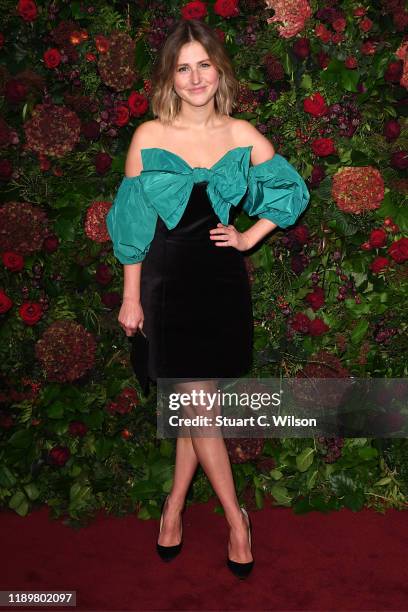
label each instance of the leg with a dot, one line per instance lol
(185, 467)
(213, 456)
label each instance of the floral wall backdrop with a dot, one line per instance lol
(327, 83)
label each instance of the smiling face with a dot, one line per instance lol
(196, 78)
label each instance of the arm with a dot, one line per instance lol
(131, 314)
(263, 149)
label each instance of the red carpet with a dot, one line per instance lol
(314, 562)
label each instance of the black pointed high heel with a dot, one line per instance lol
(242, 570)
(167, 553)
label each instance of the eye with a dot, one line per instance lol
(181, 69)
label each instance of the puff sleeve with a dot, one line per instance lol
(131, 222)
(276, 191)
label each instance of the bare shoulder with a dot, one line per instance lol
(246, 135)
(143, 137)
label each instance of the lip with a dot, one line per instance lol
(198, 89)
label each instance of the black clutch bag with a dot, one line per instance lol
(139, 358)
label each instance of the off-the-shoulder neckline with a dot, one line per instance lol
(196, 167)
(200, 167)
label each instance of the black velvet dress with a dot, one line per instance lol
(196, 299)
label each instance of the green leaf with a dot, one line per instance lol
(281, 495)
(305, 459)
(32, 491)
(56, 410)
(19, 503)
(368, 452)
(7, 479)
(359, 331)
(21, 439)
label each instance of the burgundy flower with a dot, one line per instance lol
(59, 455)
(90, 129)
(111, 299)
(138, 104)
(323, 147)
(103, 274)
(317, 327)
(27, 9)
(315, 105)
(392, 130)
(103, 162)
(399, 250)
(378, 238)
(300, 323)
(393, 73)
(30, 312)
(301, 48)
(6, 169)
(77, 428)
(13, 261)
(379, 264)
(226, 8)
(15, 91)
(194, 10)
(399, 160)
(316, 298)
(5, 302)
(51, 244)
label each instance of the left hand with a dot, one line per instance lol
(228, 235)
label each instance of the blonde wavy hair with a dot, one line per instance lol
(165, 103)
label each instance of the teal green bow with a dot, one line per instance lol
(167, 181)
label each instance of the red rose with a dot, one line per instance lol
(301, 48)
(399, 160)
(366, 24)
(15, 91)
(27, 9)
(339, 24)
(51, 244)
(6, 169)
(77, 428)
(359, 11)
(399, 250)
(121, 115)
(394, 70)
(323, 33)
(103, 162)
(392, 130)
(315, 299)
(52, 58)
(226, 8)
(323, 147)
(315, 105)
(378, 238)
(103, 274)
(194, 10)
(101, 43)
(5, 302)
(13, 261)
(323, 59)
(368, 48)
(379, 264)
(337, 38)
(138, 104)
(317, 327)
(30, 312)
(59, 455)
(350, 62)
(300, 323)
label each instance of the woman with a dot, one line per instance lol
(185, 172)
